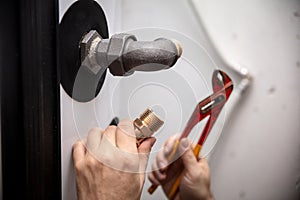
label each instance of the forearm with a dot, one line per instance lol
(209, 197)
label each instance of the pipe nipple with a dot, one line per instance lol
(146, 125)
(178, 47)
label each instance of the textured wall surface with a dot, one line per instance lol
(258, 154)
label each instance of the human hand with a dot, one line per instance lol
(111, 166)
(195, 181)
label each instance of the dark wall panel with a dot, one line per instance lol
(30, 100)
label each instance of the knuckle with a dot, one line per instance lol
(160, 159)
(127, 163)
(78, 167)
(111, 129)
(91, 162)
(95, 129)
(77, 144)
(189, 155)
(154, 167)
(161, 162)
(152, 178)
(196, 176)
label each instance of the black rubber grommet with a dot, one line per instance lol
(80, 18)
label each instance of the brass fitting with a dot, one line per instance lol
(146, 125)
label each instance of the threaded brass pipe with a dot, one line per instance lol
(146, 125)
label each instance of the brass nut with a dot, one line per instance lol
(147, 124)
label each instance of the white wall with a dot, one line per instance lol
(257, 156)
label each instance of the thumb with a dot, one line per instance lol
(146, 145)
(188, 157)
(78, 152)
(144, 150)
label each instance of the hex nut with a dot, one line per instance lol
(143, 130)
(115, 50)
(88, 46)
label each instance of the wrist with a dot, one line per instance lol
(207, 196)
(210, 196)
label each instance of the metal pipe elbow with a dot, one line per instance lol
(123, 54)
(154, 55)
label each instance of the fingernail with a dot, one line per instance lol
(166, 149)
(114, 121)
(152, 141)
(184, 143)
(162, 164)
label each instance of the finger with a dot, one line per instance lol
(159, 175)
(125, 136)
(78, 152)
(152, 179)
(161, 161)
(146, 146)
(93, 139)
(169, 144)
(204, 164)
(110, 134)
(188, 157)
(144, 150)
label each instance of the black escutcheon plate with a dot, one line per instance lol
(80, 18)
